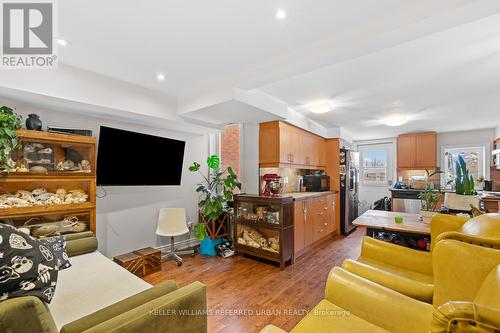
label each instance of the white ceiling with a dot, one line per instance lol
(444, 82)
(438, 61)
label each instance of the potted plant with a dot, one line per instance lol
(9, 141)
(216, 191)
(465, 195)
(430, 197)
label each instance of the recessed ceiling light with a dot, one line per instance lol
(320, 106)
(160, 77)
(63, 42)
(396, 119)
(280, 14)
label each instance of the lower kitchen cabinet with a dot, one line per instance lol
(314, 220)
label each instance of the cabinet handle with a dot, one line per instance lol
(326, 208)
(292, 157)
(326, 223)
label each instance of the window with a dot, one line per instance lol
(374, 166)
(474, 158)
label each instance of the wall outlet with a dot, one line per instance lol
(285, 180)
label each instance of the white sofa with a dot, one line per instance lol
(91, 283)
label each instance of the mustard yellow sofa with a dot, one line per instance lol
(410, 271)
(466, 298)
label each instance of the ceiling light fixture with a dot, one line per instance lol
(280, 14)
(396, 119)
(160, 77)
(63, 42)
(320, 107)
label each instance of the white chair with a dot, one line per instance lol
(172, 223)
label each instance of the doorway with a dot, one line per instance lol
(376, 172)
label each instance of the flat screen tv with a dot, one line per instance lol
(133, 159)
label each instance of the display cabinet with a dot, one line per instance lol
(264, 227)
(49, 186)
(45, 154)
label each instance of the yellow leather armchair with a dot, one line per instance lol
(409, 271)
(467, 298)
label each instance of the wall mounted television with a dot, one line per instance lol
(133, 159)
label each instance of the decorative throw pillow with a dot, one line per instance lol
(58, 247)
(27, 266)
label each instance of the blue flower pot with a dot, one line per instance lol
(207, 246)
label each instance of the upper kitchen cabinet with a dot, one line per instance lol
(282, 144)
(417, 151)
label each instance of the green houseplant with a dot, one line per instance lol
(216, 191)
(465, 195)
(9, 141)
(430, 197)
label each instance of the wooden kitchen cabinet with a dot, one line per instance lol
(314, 220)
(282, 145)
(331, 203)
(299, 217)
(417, 150)
(426, 150)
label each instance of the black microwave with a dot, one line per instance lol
(316, 183)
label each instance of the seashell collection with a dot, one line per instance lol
(252, 237)
(41, 197)
(69, 224)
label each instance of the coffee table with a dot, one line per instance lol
(376, 221)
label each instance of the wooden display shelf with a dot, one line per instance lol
(56, 179)
(259, 224)
(54, 174)
(283, 230)
(268, 255)
(44, 210)
(47, 137)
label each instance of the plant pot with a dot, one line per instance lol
(460, 202)
(207, 246)
(427, 216)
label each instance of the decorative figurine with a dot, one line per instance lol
(33, 122)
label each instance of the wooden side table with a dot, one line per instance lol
(141, 262)
(151, 260)
(132, 262)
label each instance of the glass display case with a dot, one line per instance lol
(50, 180)
(41, 226)
(53, 154)
(264, 227)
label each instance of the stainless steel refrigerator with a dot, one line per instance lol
(349, 189)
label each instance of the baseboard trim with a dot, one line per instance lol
(165, 249)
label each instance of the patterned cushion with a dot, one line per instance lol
(58, 247)
(27, 266)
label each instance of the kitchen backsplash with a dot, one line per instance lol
(290, 174)
(417, 181)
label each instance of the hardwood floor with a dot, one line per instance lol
(268, 295)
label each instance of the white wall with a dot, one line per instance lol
(126, 216)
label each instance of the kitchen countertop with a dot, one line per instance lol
(411, 190)
(307, 195)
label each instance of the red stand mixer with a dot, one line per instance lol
(272, 186)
